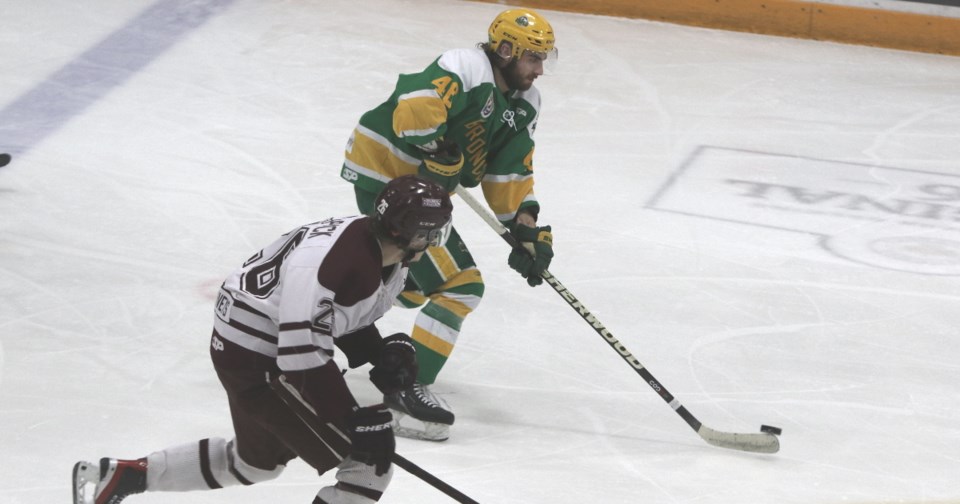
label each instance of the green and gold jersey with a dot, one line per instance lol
(455, 98)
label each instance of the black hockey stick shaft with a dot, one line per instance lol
(619, 348)
(308, 416)
(766, 443)
(603, 332)
(431, 480)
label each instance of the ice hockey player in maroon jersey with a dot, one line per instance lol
(278, 320)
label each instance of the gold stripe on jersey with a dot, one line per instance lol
(369, 154)
(444, 262)
(419, 114)
(504, 195)
(459, 304)
(385, 142)
(435, 336)
(467, 276)
(413, 298)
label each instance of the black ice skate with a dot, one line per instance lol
(420, 403)
(109, 483)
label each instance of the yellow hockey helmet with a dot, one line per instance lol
(524, 30)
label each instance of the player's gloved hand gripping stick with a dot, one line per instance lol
(765, 441)
(443, 164)
(534, 258)
(367, 448)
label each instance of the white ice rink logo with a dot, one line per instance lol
(884, 217)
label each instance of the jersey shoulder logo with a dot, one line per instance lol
(488, 108)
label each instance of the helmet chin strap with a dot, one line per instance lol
(409, 254)
(408, 257)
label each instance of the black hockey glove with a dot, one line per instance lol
(372, 437)
(397, 368)
(520, 259)
(443, 165)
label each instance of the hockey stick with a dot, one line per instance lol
(431, 480)
(289, 395)
(764, 442)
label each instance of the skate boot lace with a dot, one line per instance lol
(425, 395)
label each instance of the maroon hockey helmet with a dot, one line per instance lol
(415, 212)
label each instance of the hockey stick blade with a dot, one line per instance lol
(752, 442)
(4, 159)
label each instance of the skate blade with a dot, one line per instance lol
(415, 429)
(85, 478)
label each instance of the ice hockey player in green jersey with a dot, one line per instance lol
(466, 119)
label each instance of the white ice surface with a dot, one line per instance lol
(119, 222)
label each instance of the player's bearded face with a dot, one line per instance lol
(521, 72)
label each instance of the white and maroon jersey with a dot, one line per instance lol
(294, 298)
